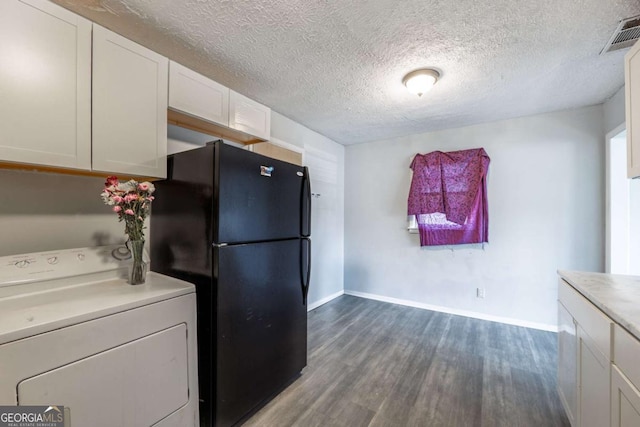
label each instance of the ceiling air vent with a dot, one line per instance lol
(627, 33)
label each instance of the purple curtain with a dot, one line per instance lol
(448, 196)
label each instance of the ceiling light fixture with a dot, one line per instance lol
(421, 81)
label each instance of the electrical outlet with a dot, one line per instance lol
(480, 292)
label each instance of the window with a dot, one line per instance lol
(448, 197)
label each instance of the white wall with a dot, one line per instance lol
(546, 212)
(614, 111)
(45, 211)
(328, 268)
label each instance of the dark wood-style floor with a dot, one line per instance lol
(372, 364)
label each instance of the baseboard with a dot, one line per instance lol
(324, 300)
(473, 314)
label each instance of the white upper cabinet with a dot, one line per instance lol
(632, 96)
(129, 106)
(199, 103)
(197, 95)
(248, 116)
(45, 85)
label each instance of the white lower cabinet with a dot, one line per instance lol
(130, 85)
(625, 401)
(567, 366)
(625, 379)
(593, 389)
(598, 365)
(584, 359)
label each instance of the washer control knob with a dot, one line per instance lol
(22, 264)
(121, 253)
(81, 257)
(52, 260)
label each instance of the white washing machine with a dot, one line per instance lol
(74, 333)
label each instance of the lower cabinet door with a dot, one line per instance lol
(625, 401)
(568, 363)
(594, 391)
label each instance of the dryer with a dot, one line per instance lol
(73, 333)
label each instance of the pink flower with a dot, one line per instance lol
(117, 209)
(130, 197)
(146, 186)
(129, 212)
(117, 199)
(111, 180)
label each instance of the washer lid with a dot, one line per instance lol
(40, 309)
(47, 290)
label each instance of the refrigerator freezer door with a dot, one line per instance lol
(261, 324)
(258, 198)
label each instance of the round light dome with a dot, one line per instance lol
(421, 81)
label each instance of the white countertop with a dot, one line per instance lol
(38, 308)
(616, 295)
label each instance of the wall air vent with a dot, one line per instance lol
(627, 33)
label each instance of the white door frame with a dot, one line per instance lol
(609, 138)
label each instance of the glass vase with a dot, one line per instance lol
(139, 267)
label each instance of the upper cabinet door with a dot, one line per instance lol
(248, 116)
(129, 106)
(197, 95)
(45, 85)
(632, 95)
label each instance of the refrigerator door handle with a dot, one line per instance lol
(305, 211)
(306, 289)
(305, 270)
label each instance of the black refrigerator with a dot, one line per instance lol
(237, 225)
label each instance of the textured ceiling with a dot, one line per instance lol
(336, 66)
